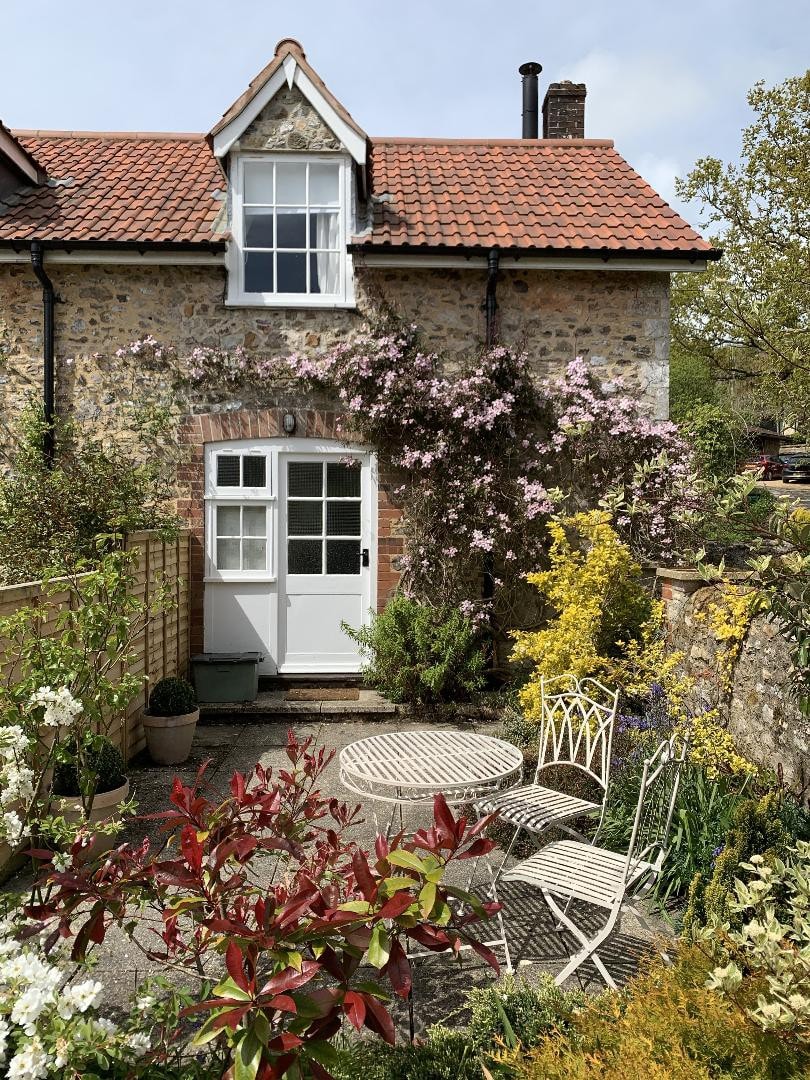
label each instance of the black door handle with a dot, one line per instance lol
(364, 559)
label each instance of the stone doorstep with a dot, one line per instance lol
(271, 704)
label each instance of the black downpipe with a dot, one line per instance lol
(490, 311)
(530, 71)
(49, 378)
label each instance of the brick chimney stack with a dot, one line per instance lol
(564, 111)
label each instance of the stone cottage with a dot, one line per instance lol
(280, 230)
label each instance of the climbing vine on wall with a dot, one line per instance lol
(481, 453)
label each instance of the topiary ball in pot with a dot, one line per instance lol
(104, 761)
(173, 696)
(171, 720)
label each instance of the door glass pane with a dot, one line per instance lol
(342, 481)
(323, 185)
(258, 271)
(343, 519)
(258, 228)
(291, 183)
(254, 521)
(258, 182)
(254, 471)
(343, 556)
(227, 470)
(305, 479)
(292, 229)
(254, 554)
(227, 554)
(324, 272)
(292, 272)
(228, 523)
(304, 518)
(304, 556)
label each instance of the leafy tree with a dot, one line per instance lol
(50, 517)
(716, 436)
(692, 382)
(749, 315)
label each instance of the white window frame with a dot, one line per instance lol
(236, 296)
(216, 496)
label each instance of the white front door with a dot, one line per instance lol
(290, 552)
(326, 559)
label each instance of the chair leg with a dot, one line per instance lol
(507, 853)
(589, 945)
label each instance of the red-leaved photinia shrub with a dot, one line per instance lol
(265, 881)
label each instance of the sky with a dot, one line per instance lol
(666, 81)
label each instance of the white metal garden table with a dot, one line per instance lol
(409, 768)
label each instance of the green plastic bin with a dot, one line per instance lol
(228, 677)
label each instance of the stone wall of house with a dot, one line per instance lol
(288, 122)
(619, 321)
(759, 708)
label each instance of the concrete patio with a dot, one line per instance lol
(439, 981)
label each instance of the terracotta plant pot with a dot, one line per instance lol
(104, 809)
(169, 738)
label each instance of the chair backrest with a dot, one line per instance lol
(660, 778)
(576, 726)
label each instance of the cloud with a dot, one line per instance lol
(660, 172)
(638, 94)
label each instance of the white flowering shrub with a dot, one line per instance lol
(773, 945)
(17, 783)
(48, 1022)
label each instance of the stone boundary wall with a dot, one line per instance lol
(760, 710)
(162, 649)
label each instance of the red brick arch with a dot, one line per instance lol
(198, 430)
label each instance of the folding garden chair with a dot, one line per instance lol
(568, 870)
(576, 733)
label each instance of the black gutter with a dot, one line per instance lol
(141, 246)
(517, 253)
(48, 372)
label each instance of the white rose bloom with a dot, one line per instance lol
(83, 995)
(31, 1063)
(28, 1006)
(139, 1042)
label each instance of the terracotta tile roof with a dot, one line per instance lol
(541, 195)
(14, 155)
(113, 187)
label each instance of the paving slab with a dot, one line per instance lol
(440, 982)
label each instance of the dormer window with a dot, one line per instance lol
(289, 230)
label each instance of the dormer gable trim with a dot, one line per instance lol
(15, 156)
(288, 67)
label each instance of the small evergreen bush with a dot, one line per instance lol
(421, 654)
(173, 696)
(508, 1013)
(101, 760)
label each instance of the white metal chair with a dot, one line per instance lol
(567, 870)
(575, 732)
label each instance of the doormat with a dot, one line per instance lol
(322, 694)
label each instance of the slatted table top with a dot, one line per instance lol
(414, 765)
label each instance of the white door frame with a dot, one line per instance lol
(242, 591)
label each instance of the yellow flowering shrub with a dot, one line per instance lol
(606, 624)
(730, 620)
(711, 746)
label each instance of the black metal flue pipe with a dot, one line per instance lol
(48, 371)
(530, 71)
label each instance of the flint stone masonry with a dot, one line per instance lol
(619, 321)
(761, 712)
(288, 122)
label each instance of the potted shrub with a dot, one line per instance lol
(89, 785)
(171, 720)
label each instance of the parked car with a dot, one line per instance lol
(797, 470)
(770, 467)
